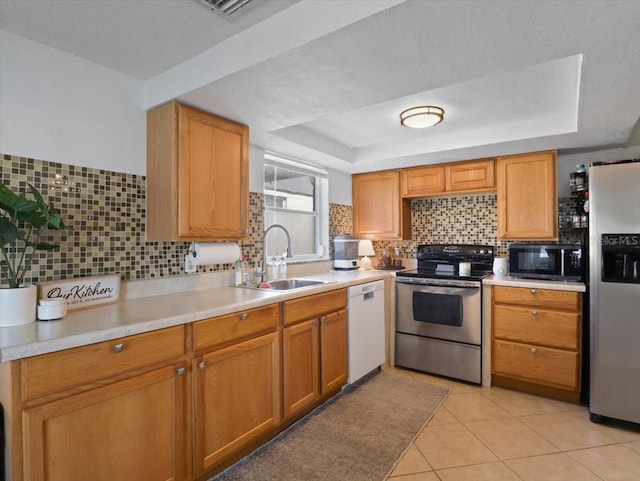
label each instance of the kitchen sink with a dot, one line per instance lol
(288, 284)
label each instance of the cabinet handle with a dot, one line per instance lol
(244, 316)
(181, 371)
(534, 313)
(533, 350)
(118, 348)
(202, 365)
(534, 292)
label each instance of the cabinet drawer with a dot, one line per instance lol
(62, 370)
(540, 364)
(547, 298)
(224, 329)
(537, 326)
(313, 306)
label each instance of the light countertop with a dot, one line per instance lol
(535, 283)
(135, 316)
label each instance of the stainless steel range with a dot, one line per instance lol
(439, 311)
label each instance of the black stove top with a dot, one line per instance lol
(441, 261)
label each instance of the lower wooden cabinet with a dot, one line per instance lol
(334, 351)
(537, 341)
(110, 432)
(315, 352)
(236, 397)
(301, 360)
(315, 357)
(175, 404)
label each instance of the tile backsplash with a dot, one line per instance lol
(465, 219)
(107, 212)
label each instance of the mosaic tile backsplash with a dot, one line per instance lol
(465, 219)
(107, 212)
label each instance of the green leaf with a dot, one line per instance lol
(16, 205)
(8, 232)
(43, 246)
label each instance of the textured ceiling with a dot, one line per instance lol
(325, 80)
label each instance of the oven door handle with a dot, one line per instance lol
(438, 284)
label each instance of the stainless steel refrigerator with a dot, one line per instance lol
(614, 277)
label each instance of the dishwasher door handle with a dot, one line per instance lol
(369, 295)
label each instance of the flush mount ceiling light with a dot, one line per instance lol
(422, 116)
(225, 7)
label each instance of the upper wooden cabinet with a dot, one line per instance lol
(379, 212)
(197, 175)
(527, 197)
(455, 178)
(477, 176)
(422, 181)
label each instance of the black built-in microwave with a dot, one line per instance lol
(563, 262)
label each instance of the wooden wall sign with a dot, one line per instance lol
(82, 291)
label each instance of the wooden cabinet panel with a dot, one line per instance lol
(537, 340)
(422, 181)
(540, 364)
(197, 175)
(475, 176)
(537, 326)
(236, 397)
(545, 298)
(301, 366)
(454, 178)
(378, 210)
(86, 364)
(527, 197)
(313, 306)
(236, 326)
(110, 433)
(334, 351)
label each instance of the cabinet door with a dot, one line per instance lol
(334, 351)
(212, 183)
(111, 432)
(471, 176)
(527, 197)
(422, 181)
(301, 360)
(378, 210)
(237, 397)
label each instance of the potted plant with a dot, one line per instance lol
(24, 218)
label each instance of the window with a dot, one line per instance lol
(296, 196)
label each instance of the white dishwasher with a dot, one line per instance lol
(366, 329)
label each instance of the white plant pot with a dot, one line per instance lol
(18, 305)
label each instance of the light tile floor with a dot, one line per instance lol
(493, 434)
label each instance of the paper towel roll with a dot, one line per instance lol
(214, 253)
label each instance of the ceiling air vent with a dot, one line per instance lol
(225, 7)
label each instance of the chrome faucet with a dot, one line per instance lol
(264, 246)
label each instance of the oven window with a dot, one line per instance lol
(444, 309)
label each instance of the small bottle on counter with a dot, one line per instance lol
(245, 269)
(238, 273)
(273, 268)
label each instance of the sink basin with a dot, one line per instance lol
(288, 284)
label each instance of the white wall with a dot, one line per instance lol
(60, 108)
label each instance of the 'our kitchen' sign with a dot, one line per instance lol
(83, 291)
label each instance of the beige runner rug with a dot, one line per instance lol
(357, 436)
